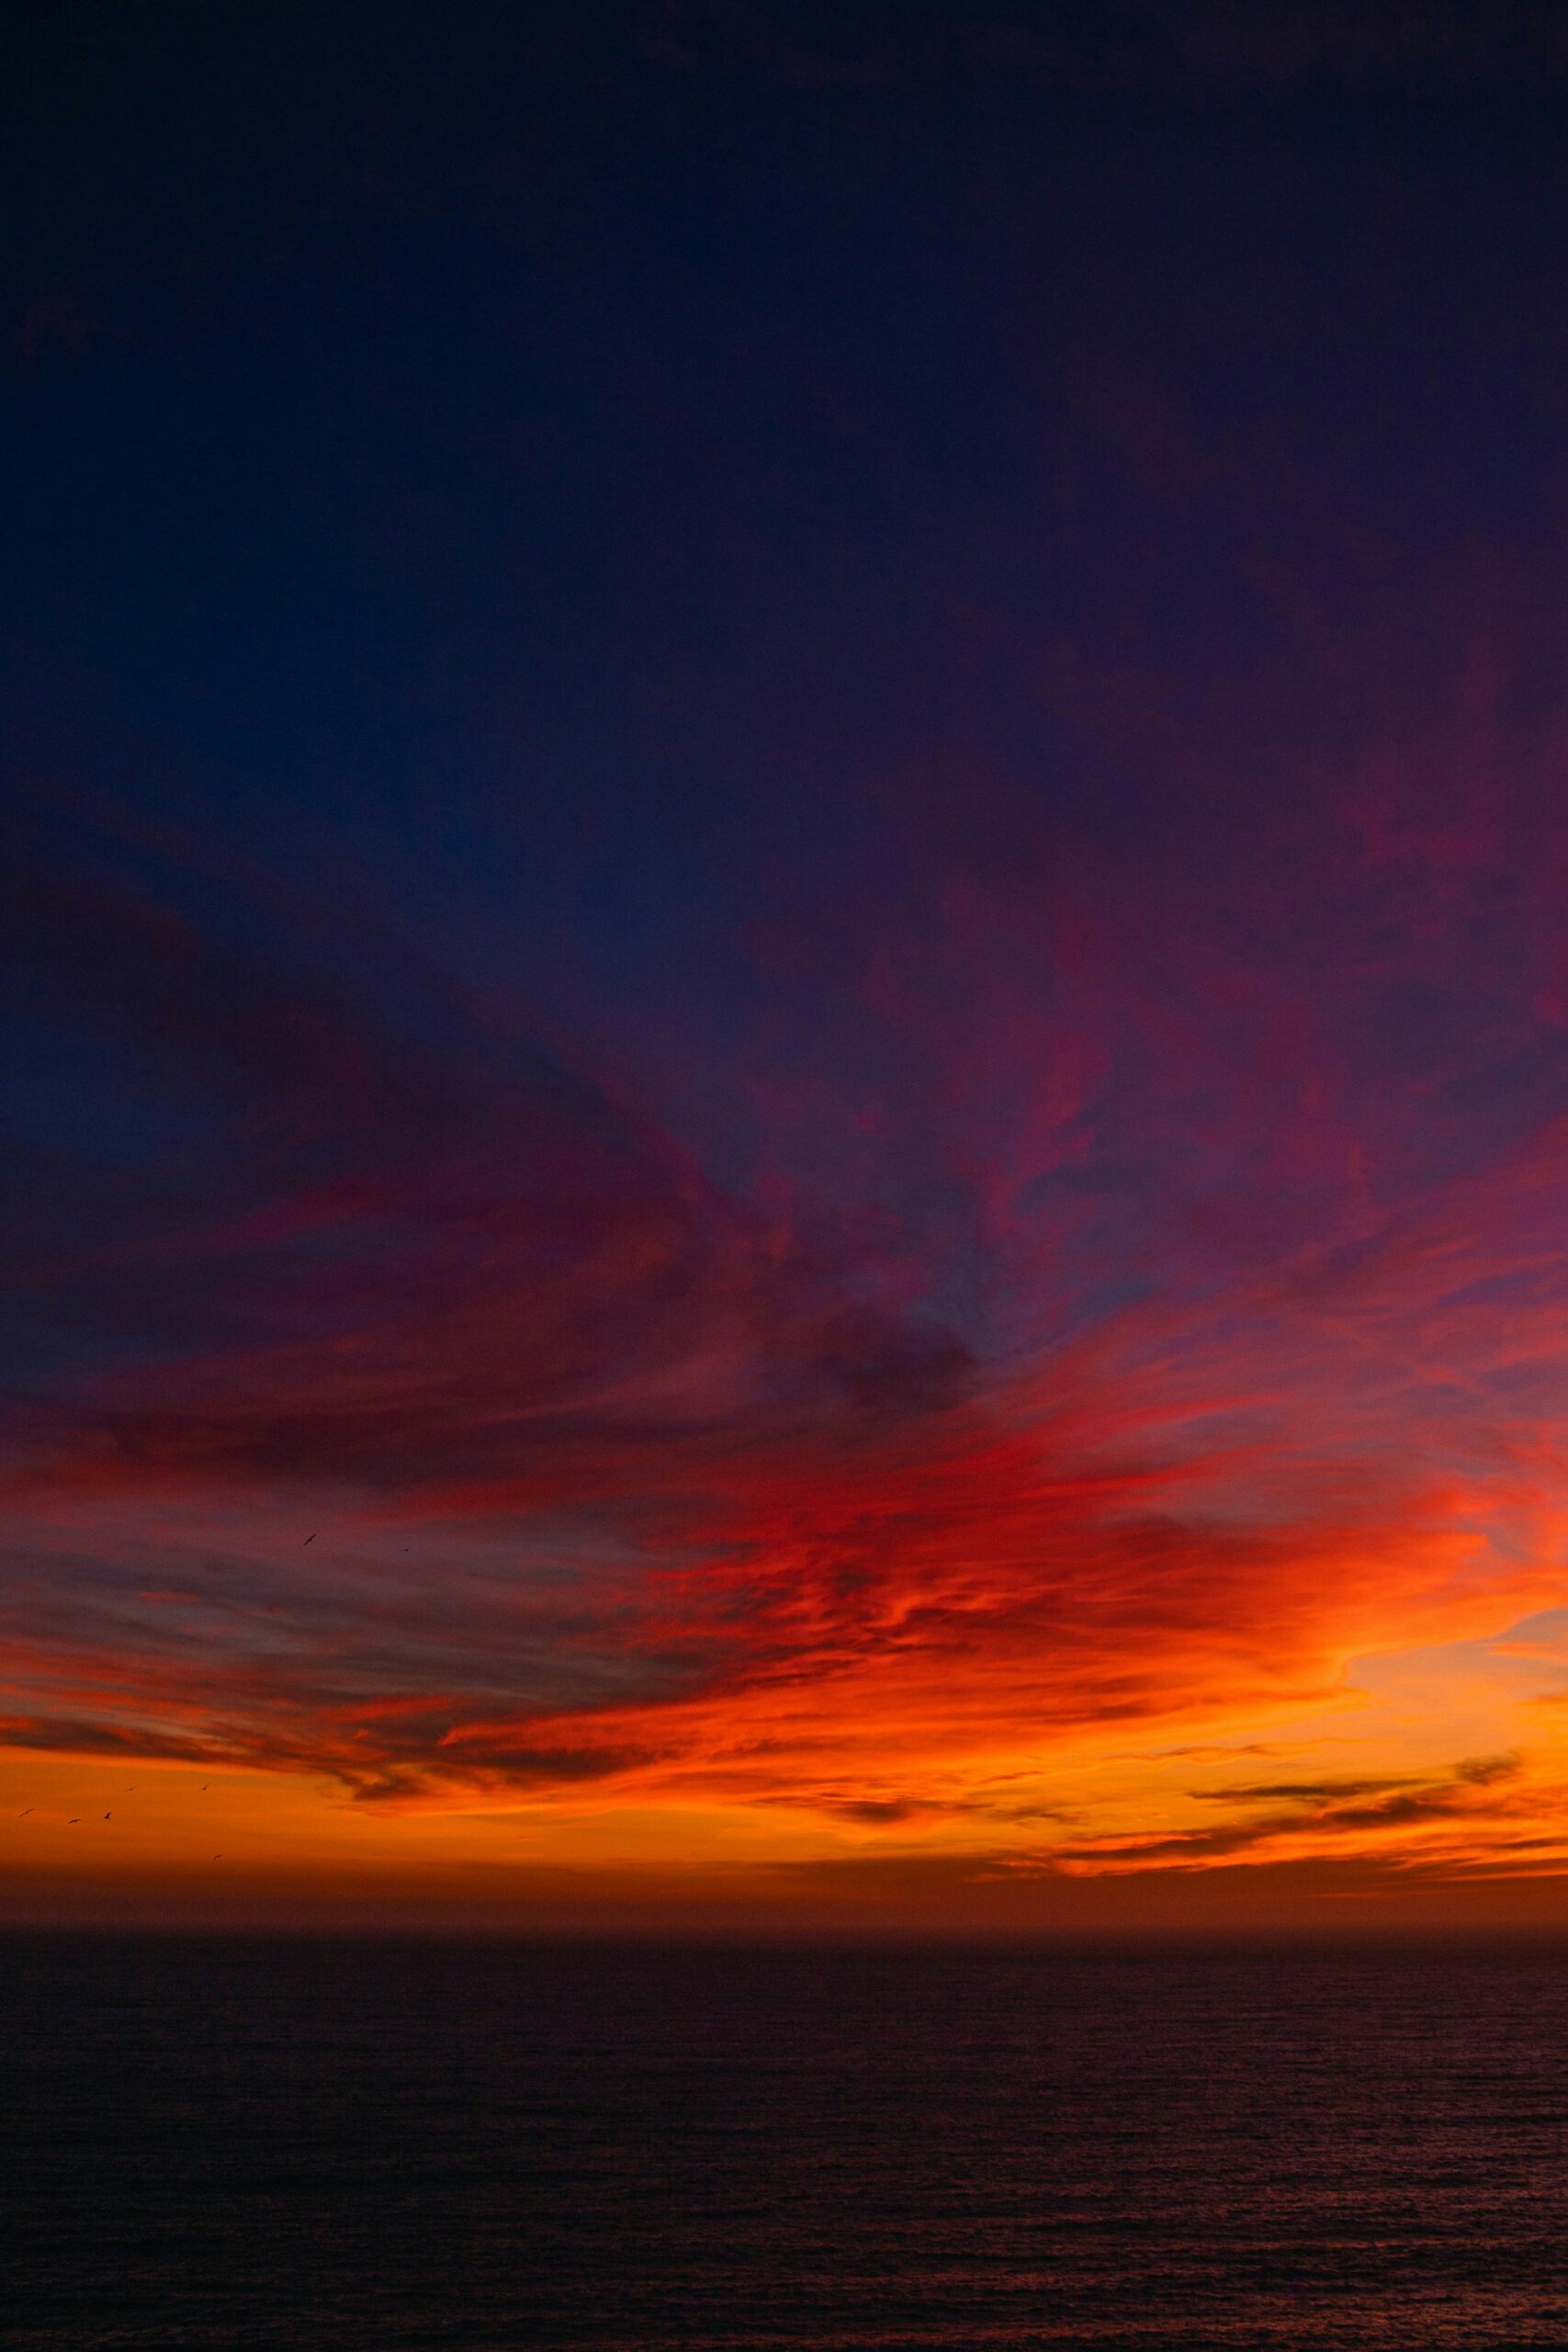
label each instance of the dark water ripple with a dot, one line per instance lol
(367, 2145)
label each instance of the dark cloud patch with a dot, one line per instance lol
(1480, 1772)
(1301, 1792)
(509, 1768)
(1323, 1809)
(878, 1812)
(416, 1246)
(97, 1735)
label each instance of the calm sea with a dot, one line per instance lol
(334, 2147)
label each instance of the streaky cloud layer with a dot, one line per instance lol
(1128, 1300)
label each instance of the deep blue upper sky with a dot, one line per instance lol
(597, 450)
(644, 507)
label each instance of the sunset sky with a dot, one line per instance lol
(787, 880)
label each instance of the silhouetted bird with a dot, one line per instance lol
(22, 1816)
(310, 1539)
(106, 1817)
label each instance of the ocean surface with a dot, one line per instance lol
(334, 2147)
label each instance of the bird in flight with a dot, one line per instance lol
(106, 1817)
(310, 1539)
(22, 1816)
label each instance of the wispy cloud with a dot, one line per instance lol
(1120, 1316)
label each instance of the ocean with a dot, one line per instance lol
(337, 2146)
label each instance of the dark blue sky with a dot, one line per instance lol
(602, 448)
(643, 502)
